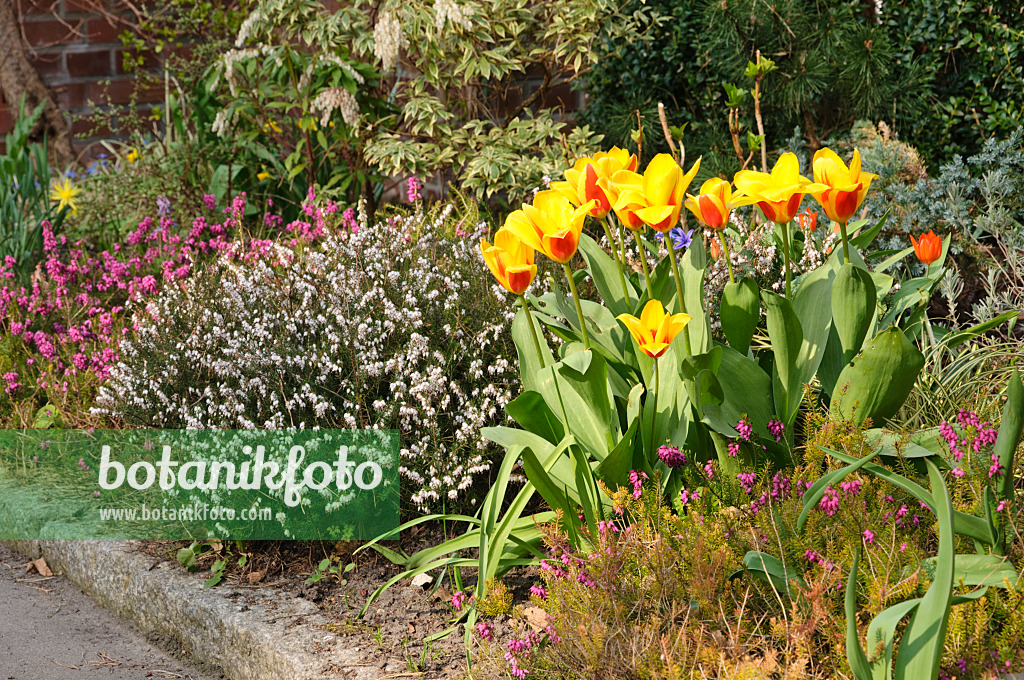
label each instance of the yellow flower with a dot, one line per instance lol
(65, 192)
(590, 179)
(510, 260)
(132, 156)
(262, 175)
(714, 203)
(551, 225)
(778, 194)
(271, 125)
(655, 330)
(845, 188)
(664, 188)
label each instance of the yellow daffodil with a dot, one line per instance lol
(655, 330)
(778, 193)
(510, 260)
(551, 225)
(65, 193)
(590, 179)
(132, 156)
(664, 187)
(845, 187)
(713, 204)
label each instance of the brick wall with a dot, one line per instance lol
(76, 49)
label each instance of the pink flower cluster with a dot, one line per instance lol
(973, 435)
(72, 317)
(671, 456)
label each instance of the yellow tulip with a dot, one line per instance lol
(845, 188)
(551, 225)
(590, 179)
(627, 189)
(655, 330)
(510, 260)
(714, 203)
(664, 188)
(778, 193)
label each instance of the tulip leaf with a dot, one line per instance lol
(692, 264)
(924, 638)
(740, 312)
(815, 319)
(853, 307)
(614, 470)
(605, 274)
(771, 569)
(530, 362)
(742, 386)
(1010, 428)
(787, 338)
(673, 402)
(863, 237)
(854, 652)
(586, 400)
(960, 337)
(532, 413)
(876, 383)
(977, 570)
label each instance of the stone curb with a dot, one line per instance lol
(246, 641)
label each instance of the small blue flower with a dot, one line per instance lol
(71, 174)
(680, 239)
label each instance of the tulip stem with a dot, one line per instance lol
(643, 263)
(846, 245)
(533, 331)
(615, 256)
(788, 257)
(654, 401)
(622, 246)
(679, 291)
(579, 307)
(725, 251)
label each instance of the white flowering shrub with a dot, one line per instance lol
(392, 325)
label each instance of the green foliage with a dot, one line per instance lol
(330, 566)
(945, 74)
(25, 177)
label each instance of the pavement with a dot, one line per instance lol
(51, 630)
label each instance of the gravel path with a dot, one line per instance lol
(50, 630)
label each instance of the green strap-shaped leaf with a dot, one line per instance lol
(853, 308)
(530, 362)
(876, 383)
(854, 652)
(771, 569)
(605, 274)
(921, 646)
(813, 495)
(1009, 434)
(787, 336)
(740, 311)
(532, 413)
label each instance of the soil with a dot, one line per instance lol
(392, 633)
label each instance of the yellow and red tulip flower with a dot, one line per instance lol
(845, 187)
(551, 225)
(590, 179)
(664, 188)
(510, 260)
(779, 193)
(628, 197)
(714, 203)
(655, 330)
(928, 248)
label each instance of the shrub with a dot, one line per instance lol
(392, 325)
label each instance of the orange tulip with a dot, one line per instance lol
(590, 180)
(845, 188)
(655, 330)
(715, 249)
(714, 203)
(779, 193)
(929, 248)
(664, 189)
(551, 225)
(510, 260)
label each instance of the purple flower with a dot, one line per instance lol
(829, 502)
(680, 239)
(539, 591)
(745, 430)
(747, 480)
(671, 456)
(458, 599)
(485, 631)
(869, 537)
(210, 201)
(776, 428)
(413, 186)
(734, 449)
(163, 206)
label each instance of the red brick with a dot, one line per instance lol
(90, 6)
(92, 63)
(6, 123)
(26, 8)
(49, 63)
(120, 92)
(101, 31)
(150, 60)
(70, 96)
(49, 32)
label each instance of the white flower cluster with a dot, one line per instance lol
(388, 40)
(336, 98)
(230, 58)
(449, 10)
(393, 326)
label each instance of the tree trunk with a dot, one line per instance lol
(19, 78)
